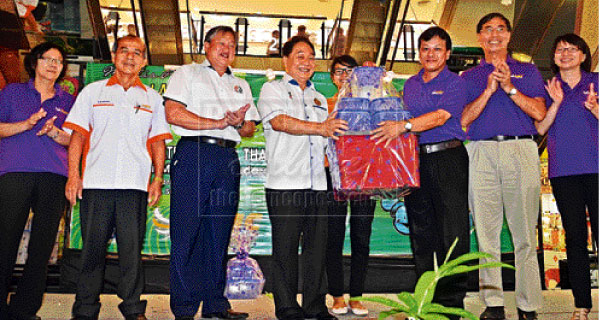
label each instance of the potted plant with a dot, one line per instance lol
(419, 305)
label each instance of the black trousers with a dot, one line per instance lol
(438, 213)
(298, 217)
(573, 195)
(20, 192)
(101, 213)
(361, 220)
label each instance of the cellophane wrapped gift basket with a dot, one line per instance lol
(245, 279)
(360, 168)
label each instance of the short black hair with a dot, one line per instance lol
(577, 41)
(215, 30)
(491, 16)
(433, 32)
(345, 60)
(32, 58)
(289, 45)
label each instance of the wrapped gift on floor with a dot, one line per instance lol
(245, 279)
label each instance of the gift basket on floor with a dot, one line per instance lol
(358, 166)
(245, 279)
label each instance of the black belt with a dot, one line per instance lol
(505, 138)
(211, 140)
(440, 146)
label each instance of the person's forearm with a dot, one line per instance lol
(158, 158)
(533, 107)
(75, 152)
(287, 124)
(474, 109)
(544, 125)
(430, 120)
(178, 115)
(11, 129)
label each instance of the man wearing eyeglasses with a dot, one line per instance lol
(118, 133)
(211, 109)
(505, 97)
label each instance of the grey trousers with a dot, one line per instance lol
(505, 180)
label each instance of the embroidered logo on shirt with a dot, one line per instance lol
(586, 93)
(238, 89)
(317, 102)
(516, 76)
(438, 92)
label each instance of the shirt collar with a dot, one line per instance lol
(288, 79)
(441, 76)
(206, 63)
(57, 89)
(114, 80)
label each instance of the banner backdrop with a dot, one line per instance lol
(390, 231)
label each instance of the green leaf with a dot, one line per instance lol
(450, 250)
(433, 316)
(438, 308)
(465, 258)
(383, 301)
(464, 269)
(385, 314)
(408, 299)
(425, 288)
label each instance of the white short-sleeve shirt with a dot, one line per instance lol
(119, 127)
(208, 95)
(293, 161)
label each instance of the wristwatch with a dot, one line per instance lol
(512, 92)
(239, 126)
(407, 126)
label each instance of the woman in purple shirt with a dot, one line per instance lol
(33, 173)
(572, 126)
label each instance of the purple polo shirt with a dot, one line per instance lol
(26, 152)
(501, 116)
(447, 91)
(573, 137)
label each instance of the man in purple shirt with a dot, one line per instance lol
(505, 97)
(438, 212)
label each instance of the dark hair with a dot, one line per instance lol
(130, 37)
(491, 16)
(289, 45)
(345, 60)
(215, 30)
(577, 41)
(433, 32)
(301, 28)
(32, 58)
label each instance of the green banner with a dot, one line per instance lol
(390, 231)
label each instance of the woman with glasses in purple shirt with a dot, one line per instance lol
(33, 173)
(572, 126)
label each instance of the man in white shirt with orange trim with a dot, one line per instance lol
(118, 133)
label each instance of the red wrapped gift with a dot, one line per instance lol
(368, 169)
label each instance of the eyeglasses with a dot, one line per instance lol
(341, 71)
(48, 60)
(499, 29)
(566, 50)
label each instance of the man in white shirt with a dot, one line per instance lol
(211, 110)
(296, 124)
(118, 133)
